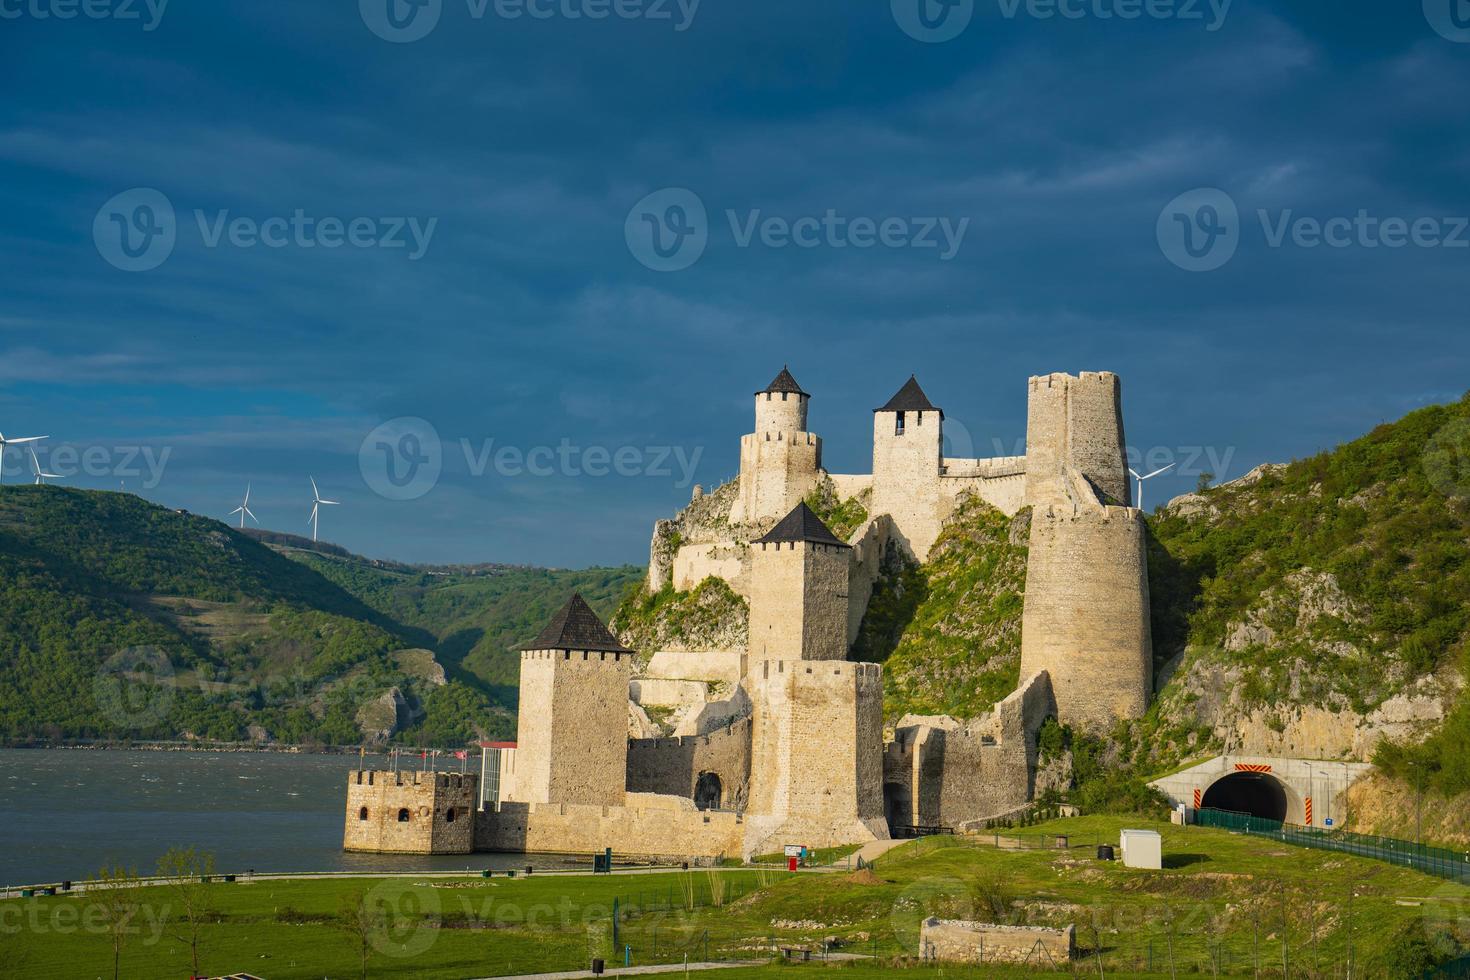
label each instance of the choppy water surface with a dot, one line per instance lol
(67, 813)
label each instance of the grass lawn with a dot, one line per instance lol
(1222, 901)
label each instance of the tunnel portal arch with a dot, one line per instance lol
(1259, 794)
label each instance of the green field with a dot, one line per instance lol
(1221, 902)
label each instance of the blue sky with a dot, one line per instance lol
(520, 146)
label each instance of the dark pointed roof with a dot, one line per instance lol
(910, 398)
(577, 627)
(802, 525)
(783, 382)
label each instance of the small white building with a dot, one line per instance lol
(1142, 849)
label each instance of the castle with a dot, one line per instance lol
(793, 748)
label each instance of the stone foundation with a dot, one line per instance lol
(951, 941)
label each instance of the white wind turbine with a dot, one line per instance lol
(316, 506)
(244, 509)
(12, 442)
(41, 476)
(1140, 479)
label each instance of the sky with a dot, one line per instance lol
(503, 275)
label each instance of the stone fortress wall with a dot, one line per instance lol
(674, 766)
(410, 812)
(943, 773)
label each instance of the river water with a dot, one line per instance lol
(67, 813)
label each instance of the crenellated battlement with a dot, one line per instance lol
(581, 656)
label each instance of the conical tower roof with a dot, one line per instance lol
(910, 398)
(783, 382)
(802, 524)
(577, 627)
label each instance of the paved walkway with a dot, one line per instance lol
(13, 891)
(633, 971)
(869, 852)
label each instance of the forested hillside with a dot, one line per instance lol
(120, 619)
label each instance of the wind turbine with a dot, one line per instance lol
(41, 477)
(316, 506)
(244, 510)
(1140, 480)
(12, 442)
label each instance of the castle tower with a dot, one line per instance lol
(1085, 618)
(798, 591)
(572, 742)
(780, 461)
(908, 440)
(1075, 424)
(816, 765)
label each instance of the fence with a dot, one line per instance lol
(1437, 861)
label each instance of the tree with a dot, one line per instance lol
(364, 921)
(1204, 481)
(117, 889)
(186, 872)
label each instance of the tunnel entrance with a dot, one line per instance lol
(1257, 793)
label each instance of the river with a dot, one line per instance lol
(67, 813)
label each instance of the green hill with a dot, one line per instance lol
(120, 619)
(477, 618)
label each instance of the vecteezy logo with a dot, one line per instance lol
(134, 689)
(1447, 459)
(400, 21)
(407, 915)
(668, 230)
(933, 21)
(1199, 231)
(1451, 18)
(135, 231)
(402, 458)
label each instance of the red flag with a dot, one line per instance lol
(461, 754)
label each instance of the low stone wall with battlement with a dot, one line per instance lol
(648, 826)
(410, 812)
(673, 766)
(951, 775)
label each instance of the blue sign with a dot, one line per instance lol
(1328, 821)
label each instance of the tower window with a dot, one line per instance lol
(362, 814)
(898, 424)
(403, 815)
(449, 815)
(783, 396)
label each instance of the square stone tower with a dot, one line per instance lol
(816, 762)
(798, 590)
(572, 742)
(780, 461)
(817, 720)
(908, 445)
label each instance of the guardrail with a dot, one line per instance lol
(1437, 861)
